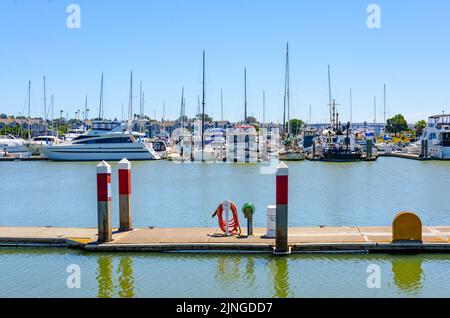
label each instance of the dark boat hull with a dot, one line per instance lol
(342, 156)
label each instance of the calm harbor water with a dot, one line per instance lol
(184, 195)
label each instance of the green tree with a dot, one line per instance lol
(396, 124)
(207, 117)
(295, 125)
(3, 116)
(420, 126)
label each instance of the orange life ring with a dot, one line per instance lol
(234, 228)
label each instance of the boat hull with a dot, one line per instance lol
(110, 152)
(293, 156)
(342, 156)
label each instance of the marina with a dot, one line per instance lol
(224, 149)
(317, 224)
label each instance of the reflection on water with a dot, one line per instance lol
(106, 287)
(281, 278)
(233, 271)
(126, 278)
(105, 276)
(42, 273)
(228, 270)
(408, 274)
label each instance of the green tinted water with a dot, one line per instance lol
(42, 273)
(183, 195)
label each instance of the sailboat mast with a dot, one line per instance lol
(182, 108)
(45, 109)
(309, 119)
(29, 109)
(130, 101)
(264, 106)
(203, 106)
(351, 107)
(140, 99)
(245, 95)
(329, 96)
(100, 107)
(374, 111)
(384, 104)
(52, 103)
(288, 90)
(221, 105)
(142, 126)
(85, 109)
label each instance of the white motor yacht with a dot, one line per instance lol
(13, 146)
(438, 135)
(107, 140)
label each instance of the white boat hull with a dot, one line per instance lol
(112, 152)
(292, 156)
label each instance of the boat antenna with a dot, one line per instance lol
(245, 95)
(203, 106)
(100, 107)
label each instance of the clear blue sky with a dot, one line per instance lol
(162, 42)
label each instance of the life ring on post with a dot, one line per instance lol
(234, 228)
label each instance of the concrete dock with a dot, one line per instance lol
(307, 239)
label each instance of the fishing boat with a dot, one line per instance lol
(339, 146)
(437, 133)
(292, 150)
(107, 140)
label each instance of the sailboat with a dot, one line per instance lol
(291, 149)
(203, 153)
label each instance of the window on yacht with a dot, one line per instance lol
(118, 140)
(446, 140)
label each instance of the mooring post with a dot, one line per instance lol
(104, 202)
(125, 195)
(281, 239)
(369, 148)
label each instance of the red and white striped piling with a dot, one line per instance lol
(281, 239)
(104, 202)
(125, 195)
